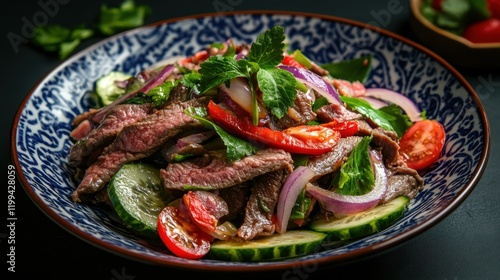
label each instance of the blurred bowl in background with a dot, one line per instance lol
(455, 49)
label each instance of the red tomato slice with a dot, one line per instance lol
(422, 143)
(181, 236)
(204, 209)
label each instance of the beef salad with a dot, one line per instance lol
(251, 152)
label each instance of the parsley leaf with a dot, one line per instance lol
(236, 147)
(355, 176)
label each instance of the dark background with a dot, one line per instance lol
(465, 245)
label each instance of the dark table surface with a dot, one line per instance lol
(465, 245)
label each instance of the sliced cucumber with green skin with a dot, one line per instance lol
(361, 224)
(137, 195)
(106, 89)
(292, 243)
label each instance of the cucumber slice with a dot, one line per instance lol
(361, 224)
(106, 89)
(292, 243)
(137, 195)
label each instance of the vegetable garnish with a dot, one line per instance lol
(277, 86)
(61, 40)
(55, 38)
(129, 15)
(316, 141)
(388, 117)
(421, 145)
(353, 70)
(236, 148)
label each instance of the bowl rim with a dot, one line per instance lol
(268, 266)
(416, 5)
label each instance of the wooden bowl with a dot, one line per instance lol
(455, 49)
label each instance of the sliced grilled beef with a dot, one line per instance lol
(261, 204)
(105, 133)
(331, 161)
(381, 138)
(330, 112)
(236, 198)
(402, 181)
(137, 141)
(215, 171)
(300, 113)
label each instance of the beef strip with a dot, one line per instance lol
(235, 198)
(300, 113)
(331, 161)
(215, 171)
(402, 181)
(261, 205)
(138, 141)
(330, 112)
(105, 133)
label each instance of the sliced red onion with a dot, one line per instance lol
(294, 184)
(239, 91)
(389, 96)
(314, 81)
(150, 84)
(375, 102)
(341, 205)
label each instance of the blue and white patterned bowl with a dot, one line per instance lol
(41, 129)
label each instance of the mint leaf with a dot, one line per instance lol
(236, 147)
(217, 70)
(355, 176)
(278, 90)
(267, 50)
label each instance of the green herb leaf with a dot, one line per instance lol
(352, 70)
(236, 147)
(355, 176)
(56, 38)
(278, 90)
(217, 70)
(127, 16)
(379, 117)
(160, 94)
(267, 50)
(390, 117)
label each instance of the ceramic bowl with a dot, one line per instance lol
(41, 142)
(455, 49)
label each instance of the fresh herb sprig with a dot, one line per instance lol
(277, 85)
(55, 38)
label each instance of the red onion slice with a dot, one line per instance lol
(239, 91)
(294, 184)
(341, 205)
(314, 81)
(389, 96)
(152, 83)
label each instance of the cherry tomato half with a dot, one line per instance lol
(181, 236)
(422, 143)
